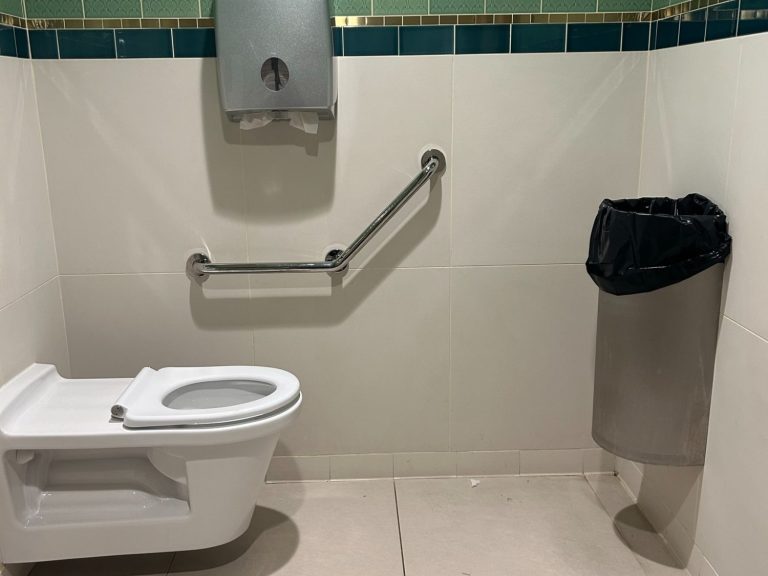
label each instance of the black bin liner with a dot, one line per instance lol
(643, 244)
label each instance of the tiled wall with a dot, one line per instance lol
(715, 518)
(31, 315)
(467, 326)
(125, 32)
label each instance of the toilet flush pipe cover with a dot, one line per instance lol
(143, 403)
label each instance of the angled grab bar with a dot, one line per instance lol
(432, 162)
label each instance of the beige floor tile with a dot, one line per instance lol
(634, 528)
(510, 527)
(142, 565)
(314, 529)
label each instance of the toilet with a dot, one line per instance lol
(170, 460)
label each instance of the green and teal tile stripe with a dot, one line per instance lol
(63, 9)
(116, 29)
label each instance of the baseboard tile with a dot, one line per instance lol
(479, 464)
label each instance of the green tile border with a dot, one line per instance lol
(437, 10)
(593, 11)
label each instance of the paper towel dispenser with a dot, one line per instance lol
(275, 56)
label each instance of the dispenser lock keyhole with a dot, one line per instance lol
(275, 74)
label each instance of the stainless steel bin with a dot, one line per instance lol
(654, 368)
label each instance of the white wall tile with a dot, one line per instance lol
(551, 462)
(371, 353)
(32, 330)
(143, 170)
(733, 519)
(425, 465)
(362, 466)
(540, 140)
(118, 324)
(688, 116)
(522, 357)
(747, 300)
(27, 251)
(299, 469)
(631, 474)
(597, 460)
(305, 194)
(499, 463)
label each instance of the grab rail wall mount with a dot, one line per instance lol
(200, 267)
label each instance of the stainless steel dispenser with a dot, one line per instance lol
(275, 57)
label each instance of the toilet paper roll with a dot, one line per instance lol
(307, 122)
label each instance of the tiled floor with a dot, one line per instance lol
(509, 526)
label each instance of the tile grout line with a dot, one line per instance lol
(399, 527)
(618, 530)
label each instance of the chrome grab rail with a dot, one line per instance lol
(432, 162)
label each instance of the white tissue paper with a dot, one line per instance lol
(307, 122)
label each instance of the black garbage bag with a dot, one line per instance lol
(643, 244)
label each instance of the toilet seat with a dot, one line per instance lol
(184, 397)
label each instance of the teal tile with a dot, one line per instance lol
(112, 8)
(350, 7)
(171, 9)
(207, 8)
(54, 9)
(456, 6)
(401, 6)
(13, 7)
(624, 5)
(569, 6)
(513, 6)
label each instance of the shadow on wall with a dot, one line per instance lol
(275, 189)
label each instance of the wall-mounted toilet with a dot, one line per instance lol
(170, 460)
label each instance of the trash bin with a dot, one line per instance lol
(659, 265)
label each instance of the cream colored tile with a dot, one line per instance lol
(27, 252)
(688, 116)
(508, 526)
(362, 466)
(746, 297)
(117, 324)
(732, 519)
(707, 569)
(637, 532)
(522, 357)
(425, 464)
(322, 529)
(143, 169)
(551, 462)
(501, 463)
(371, 352)
(631, 473)
(534, 160)
(32, 330)
(306, 193)
(696, 562)
(298, 468)
(597, 460)
(146, 565)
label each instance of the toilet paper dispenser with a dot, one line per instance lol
(275, 59)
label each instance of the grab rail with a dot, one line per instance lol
(432, 162)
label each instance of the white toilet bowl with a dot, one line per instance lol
(171, 460)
